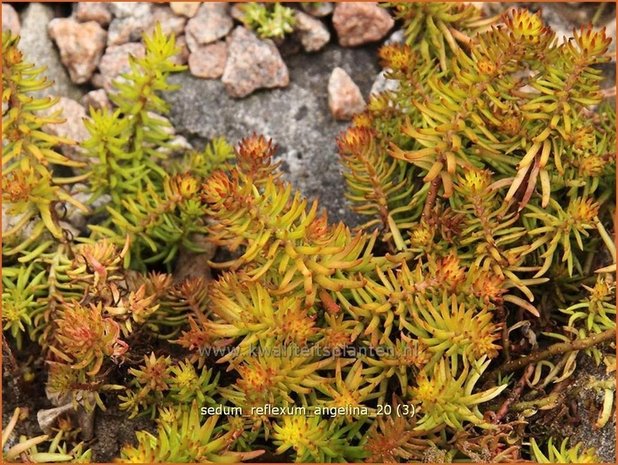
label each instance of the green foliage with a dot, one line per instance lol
(284, 240)
(157, 383)
(315, 440)
(137, 96)
(564, 454)
(21, 292)
(30, 191)
(161, 222)
(160, 212)
(490, 168)
(435, 28)
(597, 312)
(268, 20)
(216, 154)
(446, 395)
(377, 184)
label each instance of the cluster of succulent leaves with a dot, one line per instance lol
(270, 20)
(487, 179)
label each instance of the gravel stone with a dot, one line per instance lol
(81, 46)
(252, 64)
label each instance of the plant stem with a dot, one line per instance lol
(431, 198)
(556, 349)
(515, 394)
(550, 400)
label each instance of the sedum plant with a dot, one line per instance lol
(314, 440)
(183, 438)
(564, 454)
(439, 330)
(30, 190)
(73, 293)
(491, 163)
(269, 21)
(155, 208)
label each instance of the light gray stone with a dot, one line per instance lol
(208, 61)
(10, 19)
(212, 22)
(96, 99)
(130, 23)
(72, 128)
(312, 32)
(317, 9)
(93, 11)
(344, 97)
(116, 62)
(170, 22)
(186, 9)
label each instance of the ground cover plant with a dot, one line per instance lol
(448, 327)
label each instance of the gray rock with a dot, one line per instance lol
(252, 64)
(237, 13)
(10, 19)
(344, 97)
(130, 22)
(116, 62)
(212, 22)
(360, 23)
(382, 84)
(128, 9)
(296, 117)
(182, 57)
(39, 49)
(186, 9)
(170, 22)
(312, 32)
(208, 61)
(93, 11)
(81, 193)
(96, 99)
(397, 37)
(81, 46)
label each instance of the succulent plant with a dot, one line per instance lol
(268, 20)
(564, 454)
